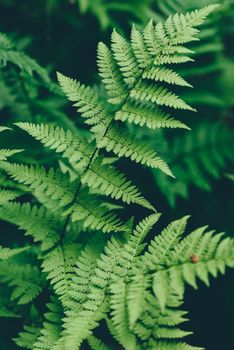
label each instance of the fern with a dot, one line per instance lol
(206, 257)
(210, 52)
(24, 279)
(6, 153)
(6, 253)
(27, 337)
(97, 278)
(198, 157)
(110, 279)
(9, 54)
(96, 344)
(76, 150)
(36, 221)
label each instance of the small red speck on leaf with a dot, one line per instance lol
(194, 258)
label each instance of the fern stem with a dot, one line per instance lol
(63, 233)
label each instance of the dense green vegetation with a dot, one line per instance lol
(83, 264)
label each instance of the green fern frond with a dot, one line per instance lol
(52, 184)
(160, 247)
(9, 54)
(85, 99)
(125, 80)
(6, 153)
(95, 216)
(119, 316)
(113, 183)
(6, 253)
(76, 150)
(159, 95)
(7, 195)
(78, 325)
(124, 145)
(27, 337)
(148, 116)
(196, 257)
(196, 159)
(25, 279)
(36, 221)
(51, 330)
(59, 265)
(110, 75)
(97, 344)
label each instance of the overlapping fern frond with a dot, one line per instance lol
(139, 295)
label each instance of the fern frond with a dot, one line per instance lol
(95, 216)
(165, 75)
(59, 265)
(51, 330)
(6, 153)
(6, 253)
(76, 150)
(127, 70)
(97, 344)
(159, 95)
(113, 183)
(52, 184)
(9, 54)
(110, 75)
(118, 288)
(148, 116)
(119, 316)
(160, 247)
(7, 195)
(27, 337)
(85, 99)
(36, 221)
(78, 325)
(125, 58)
(196, 257)
(25, 279)
(124, 145)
